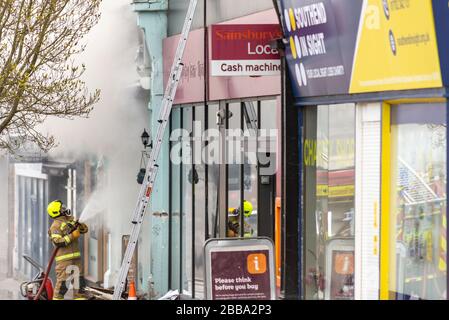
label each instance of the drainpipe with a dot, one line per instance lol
(152, 18)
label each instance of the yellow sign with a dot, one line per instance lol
(335, 191)
(322, 190)
(333, 154)
(397, 47)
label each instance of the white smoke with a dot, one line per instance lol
(112, 132)
(117, 121)
(114, 127)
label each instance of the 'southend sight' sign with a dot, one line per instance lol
(245, 50)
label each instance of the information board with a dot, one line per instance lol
(240, 269)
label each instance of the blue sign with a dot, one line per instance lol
(322, 37)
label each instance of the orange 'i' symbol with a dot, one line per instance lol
(256, 263)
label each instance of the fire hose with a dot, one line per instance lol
(47, 272)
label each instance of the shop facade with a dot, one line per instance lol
(208, 185)
(369, 94)
(34, 180)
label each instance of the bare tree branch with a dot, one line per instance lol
(39, 40)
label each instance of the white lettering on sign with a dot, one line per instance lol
(261, 50)
(237, 284)
(315, 44)
(304, 45)
(311, 15)
(326, 72)
(311, 45)
(256, 264)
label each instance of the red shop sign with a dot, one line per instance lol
(245, 50)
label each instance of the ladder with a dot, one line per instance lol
(152, 167)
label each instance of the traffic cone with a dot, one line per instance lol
(132, 291)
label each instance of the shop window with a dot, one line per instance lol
(329, 219)
(187, 202)
(198, 179)
(265, 178)
(213, 169)
(196, 190)
(234, 160)
(243, 172)
(418, 202)
(242, 176)
(175, 206)
(251, 174)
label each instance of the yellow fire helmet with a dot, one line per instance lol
(247, 208)
(54, 208)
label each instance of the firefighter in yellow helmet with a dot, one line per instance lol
(234, 220)
(64, 233)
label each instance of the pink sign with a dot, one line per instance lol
(191, 85)
(245, 50)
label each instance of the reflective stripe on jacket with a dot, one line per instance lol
(69, 256)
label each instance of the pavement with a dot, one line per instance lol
(9, 289)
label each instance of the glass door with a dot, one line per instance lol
(418, 202)
(329, 214)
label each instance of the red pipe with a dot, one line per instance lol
(47, 273)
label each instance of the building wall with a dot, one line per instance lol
(191, 86)
(152, 21)
(217, 11)
(31, 222)
(191, 89)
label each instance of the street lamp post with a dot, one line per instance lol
(146, 139)
(147, 143)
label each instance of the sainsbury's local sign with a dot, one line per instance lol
(245, 50)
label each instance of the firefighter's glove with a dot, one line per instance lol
(76, 234)
(234, 226)
(83, 228)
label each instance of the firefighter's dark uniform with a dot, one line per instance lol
(234, 221)
(234, 227)
(68, 256)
